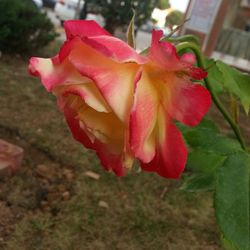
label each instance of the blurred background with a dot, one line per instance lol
(54, 195)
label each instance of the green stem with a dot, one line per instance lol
(216, 100)
(184, 38)
(179, 39)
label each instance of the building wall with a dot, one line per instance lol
(237, 15)
(232, 13)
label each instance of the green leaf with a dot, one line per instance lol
(237, 83)
(214, 75)
(227, 244)
(203, 165)
(204, 162)
(232, 200)
(209, 150)
(204, 124)
(219, 163)
(198, 183)
(207, 140)
(131, 32)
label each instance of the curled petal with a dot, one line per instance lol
(75, 42)
(188, 103)
(188, 58)
(171, 154)
(54, 73)
(105, 127)
(116, 49)
(164, 53)
(109, 46)
(113, 156)
(197, 73)
(116, 163)
(115, 81)
(143, 120)
(74, 125)
(67, 47)
(96, 37)
(88, 92)
(83, 28)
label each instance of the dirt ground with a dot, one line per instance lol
(53, 204)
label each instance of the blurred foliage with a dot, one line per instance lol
(23, 28)
(174, 18)
(119, 12)
(163, 4)
(218, 163)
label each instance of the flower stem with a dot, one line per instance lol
(201, 63)
(184, 38)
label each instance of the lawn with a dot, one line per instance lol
(52, 204)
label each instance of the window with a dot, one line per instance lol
(245, 3)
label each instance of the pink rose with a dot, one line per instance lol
(122, 104)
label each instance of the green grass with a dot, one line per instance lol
(139, 216)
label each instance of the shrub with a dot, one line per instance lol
(174, 18)
(23, 28)
(119, 12)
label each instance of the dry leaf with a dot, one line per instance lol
(92, 175)
(103, 204)
(68, 174)
(66, 196)
(164, 191)
(44, 171)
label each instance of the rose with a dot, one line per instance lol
(122, 104)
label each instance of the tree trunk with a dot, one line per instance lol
(78, 9)
(84, 10)
(110, 26)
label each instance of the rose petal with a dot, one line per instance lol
(88, 93)
(115, 81)
(197, 73)
(54, 73)
(171, 153)
(105, 127)
(116, 48)
(83, 28)
(111, 47)
(111, 161)
(67, 47)
(189, 102)
(74, 125)
(143, 119)
(164, 53)
(188, 58)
